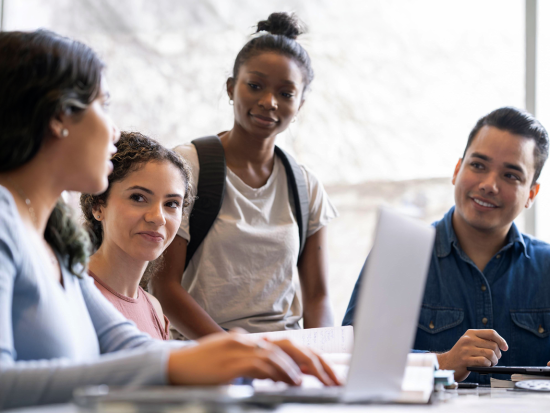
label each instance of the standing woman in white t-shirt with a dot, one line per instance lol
(242, 274)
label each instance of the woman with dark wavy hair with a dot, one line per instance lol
(132, 223)
(57, 331)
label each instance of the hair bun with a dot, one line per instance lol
(285, 24)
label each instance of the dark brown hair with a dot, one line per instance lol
(517, 122)
(282, 31)
(134, 150)
(43, 75)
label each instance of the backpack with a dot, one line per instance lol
(211, 190)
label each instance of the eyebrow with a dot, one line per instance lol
(141, 188)
(254, 72)
(506, 164)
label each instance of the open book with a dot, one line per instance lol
(336, 345)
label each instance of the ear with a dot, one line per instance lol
(532, 194)
(56, 127)
(230, 86)
(98, 212)
(457, 169)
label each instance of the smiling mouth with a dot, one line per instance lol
(483, 203)
(264, 119)
(152, 236)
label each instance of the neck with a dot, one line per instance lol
(242, 149)
(479, 245)
(37, 182)
(117, 269)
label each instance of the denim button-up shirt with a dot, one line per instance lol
(511, 296)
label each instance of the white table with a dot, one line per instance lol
(482, 400)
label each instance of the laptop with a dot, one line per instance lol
(386, 319)
(531, 370)
(386, 316)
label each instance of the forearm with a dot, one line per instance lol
(318, 312)
(188, 317)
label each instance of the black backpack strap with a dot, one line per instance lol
(298, 189)
(210, 191)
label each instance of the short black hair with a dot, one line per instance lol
(517, 122)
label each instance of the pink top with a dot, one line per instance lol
(140, 310)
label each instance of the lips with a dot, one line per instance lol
(152, 236)
(483, 203)
(263, 120)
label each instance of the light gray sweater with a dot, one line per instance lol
(55, 338)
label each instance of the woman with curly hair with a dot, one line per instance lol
(132, 223)
(57, 331)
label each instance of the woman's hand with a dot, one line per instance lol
(220, 358)
(309, 362)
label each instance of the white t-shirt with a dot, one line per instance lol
(244, 273)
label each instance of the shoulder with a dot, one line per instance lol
(155, 303)
(537, 247)
(8, 218)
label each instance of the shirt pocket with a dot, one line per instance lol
(529, 337)
(434, 320)
(534, 321)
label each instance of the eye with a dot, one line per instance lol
(137, 198)
(287, 95)
(477, 165)
(513, 177)
(254, 86)
(172, 204)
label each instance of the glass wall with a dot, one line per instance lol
(398, 86)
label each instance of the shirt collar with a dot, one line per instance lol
(446, 236)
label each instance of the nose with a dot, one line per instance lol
(155, 215)
(268, 101)
(116, 133)
(489, 184)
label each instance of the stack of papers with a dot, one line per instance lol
(509, 384)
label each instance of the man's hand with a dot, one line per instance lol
(474, 348)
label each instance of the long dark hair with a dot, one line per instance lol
(42, 76)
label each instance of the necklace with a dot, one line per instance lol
(22, 194)
(25, 198)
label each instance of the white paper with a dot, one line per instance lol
(323, 340)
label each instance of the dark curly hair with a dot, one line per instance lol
(134, 150)
(282, 31)
(42, 76)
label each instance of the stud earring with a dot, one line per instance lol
(64, 132)
(97, 216)
(294, 120)
(231, 102)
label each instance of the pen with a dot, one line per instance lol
(468, 385)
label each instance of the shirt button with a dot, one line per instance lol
(484, 320)
(483, 287)
(541, 329)
(432, 326)
(498, 256)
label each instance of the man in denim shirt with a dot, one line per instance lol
(487, 296)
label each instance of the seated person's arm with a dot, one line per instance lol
(475, 348)
(350, 312)
(178, 305)
(313, 270)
